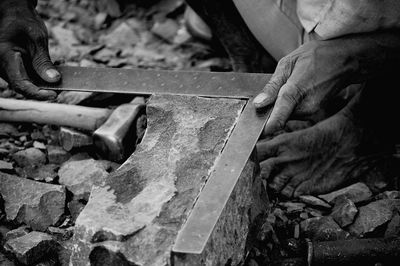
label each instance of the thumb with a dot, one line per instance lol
(44, 67)
(270, 92)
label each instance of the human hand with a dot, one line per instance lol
(24, 48)
(305, 81)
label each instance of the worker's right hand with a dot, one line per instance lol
(24, 49)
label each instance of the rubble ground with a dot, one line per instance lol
(46, 177)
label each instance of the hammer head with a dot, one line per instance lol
(117, 138)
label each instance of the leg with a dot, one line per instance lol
(246, 53)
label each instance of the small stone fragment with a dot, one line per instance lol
(7, 130)
(80, 176)
(47, 172)
(36, 204)
(6, 166)
(395, 194)
(122, 36)
(357, 192)
(29, 158)
(57, 155)
(20, 231)
(37, 135)
(314, 201)
(371, 216)
(166, 29)
(60, 233)
(71, 138)
(344, 212)
(39, 145)
(292, 206)
(31, 248)
(323, 229)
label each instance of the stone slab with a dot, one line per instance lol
(135, 216)
(36, 204)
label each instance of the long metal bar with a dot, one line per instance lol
(139, 81)
(194, 235)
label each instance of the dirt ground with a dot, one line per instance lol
(153, 35)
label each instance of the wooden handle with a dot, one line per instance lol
(82, 117)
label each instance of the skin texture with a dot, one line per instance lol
(24, 49)
(320, 136)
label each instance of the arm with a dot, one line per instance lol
(24, 48)
(308, 78)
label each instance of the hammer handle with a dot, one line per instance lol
(82, 117)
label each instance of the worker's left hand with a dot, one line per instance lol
(24, 47)
(304, 82)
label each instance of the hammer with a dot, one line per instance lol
(115, 132)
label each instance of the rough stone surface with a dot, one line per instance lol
(80, 176)
(323, 229)
(5, 166)
(314, 201)
(20, 231)
(135, 216)
(30, 158)
(38, 205)
(47, 172)
(372, 216)
(31, 248)
(357, 192)
(57, 155)
(7, 130)
(344, 212)
(71, 138)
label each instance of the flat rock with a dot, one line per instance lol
(357, 192)
(166, 29)
(293, 206)
(323, 229)
(135, 216)
(372, 216)
(344, 212)
(39, 145)
(38, 205)
(57, 155)
(5, 166)
(80, 176)
(20, 231)
(314, 201)
(32, 248)
(29, 158)
(71, 138)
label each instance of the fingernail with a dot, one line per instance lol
(260, 98)
(52, 73)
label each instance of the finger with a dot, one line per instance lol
(291, 186)
(3, 84)
(43, 66)
(271, 90)
(286, 102)
(279, 182)
(266, 149)
(18, 78)
(267, 167)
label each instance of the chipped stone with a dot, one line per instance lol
(80, 176)
(29, 158)
(166, 29)
(344, 212)
(31, 248)
(323, 229)
(357, 192)
(71, 138)
(57, 155)
(122, 36)
(39, 145)
(314, 201)
(371, 216)
(292, 207)
(135, 216)
(20, 231)
(38, 205)
(6, 166)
